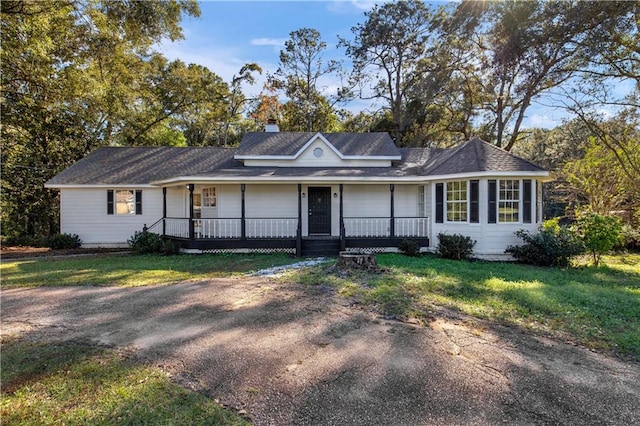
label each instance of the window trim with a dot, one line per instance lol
(206, 197)
(500, 200)
(112, 202)
(465, 201)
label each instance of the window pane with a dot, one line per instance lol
(509, 201)
(457, 201)
(125, 202)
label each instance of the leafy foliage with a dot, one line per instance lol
(599, 233)
(145, 242)
(63, 241)
(409, 247)
(553, 245)
(455, 246)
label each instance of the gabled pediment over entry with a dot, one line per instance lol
(306, 149)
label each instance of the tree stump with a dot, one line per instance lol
(348, 261)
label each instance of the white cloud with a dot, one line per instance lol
(265, 41)
(542, 121)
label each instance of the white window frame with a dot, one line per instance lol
(128, 204)
(209, 197)
(422, 202)
(506, 199)
(458, 214)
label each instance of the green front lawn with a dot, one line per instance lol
(598, 307)
(130, 271)
(74, 383)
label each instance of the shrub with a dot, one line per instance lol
(23, 241)
(553, 245)
(409, 247)
(456, 246)
(630, 238)
(63, 241)
(143, 242)
(599, 233)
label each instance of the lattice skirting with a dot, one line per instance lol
(241, 251)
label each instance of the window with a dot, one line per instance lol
(421, 207)
(124, 202)
(209, 197)
(509, 201)
(457, 201)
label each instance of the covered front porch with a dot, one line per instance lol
(314, 228)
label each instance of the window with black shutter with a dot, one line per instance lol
(110, 201)
(526, 201)
(138, 201)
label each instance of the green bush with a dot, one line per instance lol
(409, 247)
(630, 238)
(63, 241)
(599, 233)
(455, 246)
(145, 242)
(23, 241)
(553, 245)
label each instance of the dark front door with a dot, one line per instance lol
(319, 210)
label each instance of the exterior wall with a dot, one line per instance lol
(492, 238)
(84, 212)
(307, 159)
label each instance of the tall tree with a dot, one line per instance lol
(388, 53)
(300, 74)
(68, 69)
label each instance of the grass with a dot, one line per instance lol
(595, 306)
(75, 383)
(131, 271)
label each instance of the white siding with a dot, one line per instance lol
(367, 201)
(271, 201)
(177, 200)
(492, 238)
(84, 212)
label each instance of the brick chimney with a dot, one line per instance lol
(272, 126)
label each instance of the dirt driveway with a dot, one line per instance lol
(295, 355)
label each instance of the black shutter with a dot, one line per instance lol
(138, 201)
(110, 201)
(439, 203)
(474, 216)
(492, 201)
(526, 202)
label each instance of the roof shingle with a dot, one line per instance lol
(144, 165)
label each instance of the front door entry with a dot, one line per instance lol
(319, 210)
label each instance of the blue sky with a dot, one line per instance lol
(229, 34)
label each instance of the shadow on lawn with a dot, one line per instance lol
(598, 307)
(294, 354)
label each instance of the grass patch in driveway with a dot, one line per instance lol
(595, 306)
(130, 270)
(75, 383)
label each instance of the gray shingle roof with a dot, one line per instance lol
(144, 165)
(141, 165)
(289, 143)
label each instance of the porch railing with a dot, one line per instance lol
(271, 228)
(378, 227)
(363, 227)
(176, 227)
(232, 228)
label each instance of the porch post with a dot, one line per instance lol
(164, 211)
(299, 230)
(243, 224)
(191, 225)
(392, 224)
(342, 233)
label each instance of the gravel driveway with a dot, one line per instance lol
(296, 355)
